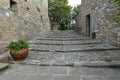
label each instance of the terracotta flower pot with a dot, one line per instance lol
(19, 55)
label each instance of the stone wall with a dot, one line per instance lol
(100, 12)
(25, 20)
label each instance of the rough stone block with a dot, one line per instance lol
(118, 34)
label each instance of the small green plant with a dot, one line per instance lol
(16, 46)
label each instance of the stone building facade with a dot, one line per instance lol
(23, 19)
(93, 20)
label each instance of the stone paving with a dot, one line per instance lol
(32, 72)
(65, 55)
(68, 47)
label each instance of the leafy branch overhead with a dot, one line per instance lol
(59, 11)
(75, 11)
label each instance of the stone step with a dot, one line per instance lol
(80, 64)
(64, 36)
(63, 42)
(74, 56)
(63, 32)
(4, 57)
(73, 64)
(59, 44)
(63, 39)
(68, 58)
(3, 66)
(71, 50)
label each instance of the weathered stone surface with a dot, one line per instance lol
(99, 13)
(3, 66)
(4, 58)
(78, 65)
(92, 78)
(70, 51)
(26, 20)
(112, 72)
(112, 78)
(30, 72)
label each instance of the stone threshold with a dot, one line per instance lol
(74, 64)
(68, 51)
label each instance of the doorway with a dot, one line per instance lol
(88, 25)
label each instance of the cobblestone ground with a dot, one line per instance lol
(65, 55)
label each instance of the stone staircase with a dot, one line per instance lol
(65, 55)
(67, 48)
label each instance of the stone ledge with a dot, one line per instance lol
(88, 64)
(4, 66)
(63, 36)
(98, 64)
(63, 39)
(118, 34)
(4, 58)
(75, 64)
(66, 51)
(65, 43)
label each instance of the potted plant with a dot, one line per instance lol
(18, 50)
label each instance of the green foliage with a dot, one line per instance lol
(16, 46)
(71, 28)
(59, 11)
(75, 11)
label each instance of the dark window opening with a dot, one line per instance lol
(26, 0)
(38, 9)
(13, 5)
(41, 18)
(93, 35)
(28, 9)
